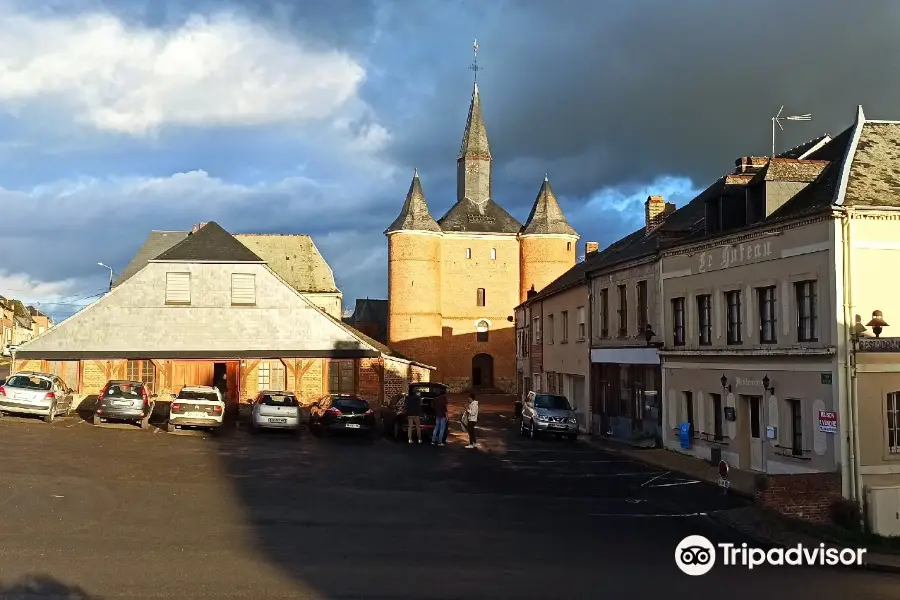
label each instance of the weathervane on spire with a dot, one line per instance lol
(474, 66)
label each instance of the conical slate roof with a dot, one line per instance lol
(546, 215)
(475, 139)
(414, 216)
(210, 243)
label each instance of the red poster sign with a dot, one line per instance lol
(827, 421)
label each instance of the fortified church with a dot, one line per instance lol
(454, 282)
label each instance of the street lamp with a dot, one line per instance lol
(877, 323)
(111, 273)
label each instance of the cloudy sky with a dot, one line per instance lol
(121, 116)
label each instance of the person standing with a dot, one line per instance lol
(440, 420)
(414, 415)
(471, 419)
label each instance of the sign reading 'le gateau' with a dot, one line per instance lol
(734, 255)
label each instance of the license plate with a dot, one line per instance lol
(555, 425)
(196, 415)
(352, 425)
(277, 420)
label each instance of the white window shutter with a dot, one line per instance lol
(243, 288)
(178, 288)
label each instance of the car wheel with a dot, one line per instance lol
(50, 417)
(170, 428)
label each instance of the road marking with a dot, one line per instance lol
(654, 479)
(673, 484)
(569, 462)
(649, 515)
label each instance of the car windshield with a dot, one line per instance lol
(124, 390)
(551, 402)
(350, 404)
(279, 400)
(29, 382)
(192, 395)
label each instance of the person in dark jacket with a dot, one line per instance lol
(414, 415)
(440, 420)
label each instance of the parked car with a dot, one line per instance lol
(342, 413)
(8, 349)
(275, 410)
(548, 413)
(33, 393)
(393, 414)
(124, 400)
(196, 406)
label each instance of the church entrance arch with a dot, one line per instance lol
(482, 371)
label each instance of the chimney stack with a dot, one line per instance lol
(197, 227)
(591, 247)
(531, 293)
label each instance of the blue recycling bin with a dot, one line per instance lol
(684, 435)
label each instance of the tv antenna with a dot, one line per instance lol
(778, 118)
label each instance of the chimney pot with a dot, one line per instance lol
(531, 293)
(591, 247)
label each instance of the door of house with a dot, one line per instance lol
(757, 445)
(191, 373)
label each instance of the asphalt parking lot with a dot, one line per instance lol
(117, 512)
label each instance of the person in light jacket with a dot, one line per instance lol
(471, 420)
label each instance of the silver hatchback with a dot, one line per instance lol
(32, 393)
(275, 410)
(550, 414)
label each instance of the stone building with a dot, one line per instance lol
(209, 307)
(454, 282)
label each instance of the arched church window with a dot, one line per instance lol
(568, 246)
(493, 254)
(482, 335)
(468, 253)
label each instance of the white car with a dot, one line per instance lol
(275, 410)
(196, 406)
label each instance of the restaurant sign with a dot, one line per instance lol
(879, 345)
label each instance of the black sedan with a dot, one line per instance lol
(336, 413)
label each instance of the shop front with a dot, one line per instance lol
(759, 416)
(625, 392)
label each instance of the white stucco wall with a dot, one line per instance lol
(135, 317)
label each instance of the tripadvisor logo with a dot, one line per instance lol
(696, 555)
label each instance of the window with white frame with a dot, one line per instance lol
(807, 311)
(271, 375)
(767, 320)
(582, 326)
(178, 288)
(704, 311)
(733, 303)
(550, 329)
(243, 289)
(536, 330)
(893, 422)
(564, 317)
(678, 321)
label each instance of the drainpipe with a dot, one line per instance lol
(661, 319)
(850, 412)
(590, 335)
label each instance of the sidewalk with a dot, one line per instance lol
(766, 528)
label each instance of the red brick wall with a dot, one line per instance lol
(370, 375)
(805, 496)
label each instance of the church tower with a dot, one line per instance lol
(414, 280)
(546, 242)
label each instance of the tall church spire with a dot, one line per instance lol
(473, 170)
(414, 216)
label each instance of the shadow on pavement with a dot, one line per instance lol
(31, 587)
